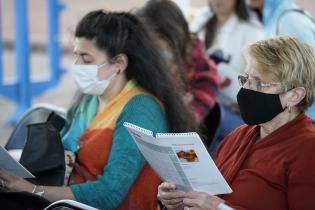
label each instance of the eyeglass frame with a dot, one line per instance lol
(260, 84)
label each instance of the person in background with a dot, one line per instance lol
(226, 25)
(123, 79)
(269, 163)
(193, 70)
(284, 17)
(225, 28)
(256, 7)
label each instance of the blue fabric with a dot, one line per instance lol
(292, 24)
(82, 117)
(125, 160)
(311, 112)
(270, 7)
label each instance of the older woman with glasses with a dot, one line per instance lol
(269, 163)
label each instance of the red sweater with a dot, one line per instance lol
(276, 173)
(202, 81)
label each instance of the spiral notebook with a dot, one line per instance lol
(180, 158)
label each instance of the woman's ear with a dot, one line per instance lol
(121, 62)
(295, 96)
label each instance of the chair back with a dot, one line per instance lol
(37, 114)
(211, 125)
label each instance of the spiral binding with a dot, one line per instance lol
(176, 134)
(143, 130)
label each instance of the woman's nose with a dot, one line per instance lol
(77, 61)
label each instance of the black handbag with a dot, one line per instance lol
(43, 153)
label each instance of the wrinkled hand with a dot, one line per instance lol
(201, 201)
(13, 183)
(172, 200)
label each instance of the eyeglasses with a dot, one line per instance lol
(254, 83)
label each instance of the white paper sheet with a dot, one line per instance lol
(9, 164)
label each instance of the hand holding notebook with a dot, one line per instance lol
(180, 158)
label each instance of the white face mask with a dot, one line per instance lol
(86, 78)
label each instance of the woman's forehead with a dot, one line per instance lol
(83, 44)
(251, 70)
(87, 46)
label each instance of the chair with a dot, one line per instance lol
(37, 114)
(211, 125)
(68, 205)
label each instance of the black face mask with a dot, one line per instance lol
(257, 107)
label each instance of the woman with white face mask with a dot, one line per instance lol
(123, 79)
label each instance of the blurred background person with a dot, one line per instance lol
(256, 6)
(225, 27)
(271, 156)
(285, 17)
(185, 56)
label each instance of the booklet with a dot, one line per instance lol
(8, 163)
(180, 158)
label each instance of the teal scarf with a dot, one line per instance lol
(78, 119)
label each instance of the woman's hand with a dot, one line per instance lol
(201, 201)
(13, 183)
(170, 199)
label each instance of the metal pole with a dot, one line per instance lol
(1, 64)
(54, 51)
(22, 56)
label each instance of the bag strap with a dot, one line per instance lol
(301, 11)
(57, 121)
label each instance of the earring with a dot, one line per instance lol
(289, 109)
